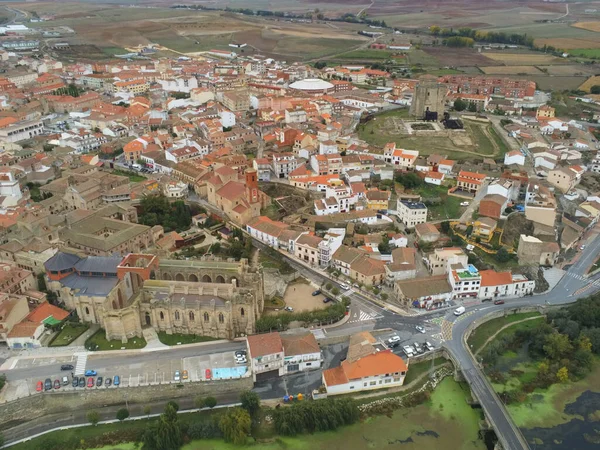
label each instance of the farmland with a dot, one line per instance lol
(510, 70)
(590, 26)
(593, 53)
(592, 81)
(518, 59)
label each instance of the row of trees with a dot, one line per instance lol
(310, 417)
(484, 36)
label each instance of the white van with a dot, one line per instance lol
(460, 310)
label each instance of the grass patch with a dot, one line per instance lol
(68, 334)
(483, 144)
(502, 148)
(593, 53)
(177, 338)
(449, 206)
(417, 369)
(366, 54)
(133, 177)
(112, 51)
(98, 341)
(269, 261)
(483, 332)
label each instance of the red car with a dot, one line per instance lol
(208, 374)
(39, 387)
(90, 382)
(498, 302)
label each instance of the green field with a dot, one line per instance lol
(68, 334)
(593, 53)
(133, 176)
(416, 370)
(485, 331)
(367, 55)
(448, 208)
(177, 339)
(99, 342)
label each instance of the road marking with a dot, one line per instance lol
(447, 330)
(81, 363)
(362, 316)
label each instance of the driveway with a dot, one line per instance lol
(474, 205)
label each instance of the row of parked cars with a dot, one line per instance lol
(410, 350)
(92, 380)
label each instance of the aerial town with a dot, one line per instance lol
(266, 240)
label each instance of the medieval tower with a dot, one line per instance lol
(428, 99)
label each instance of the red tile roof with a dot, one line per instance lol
(264, 344)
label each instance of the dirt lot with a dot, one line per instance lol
(517, 59)
(299, 296)
(515, 225)
(459, 56)
(510, 70)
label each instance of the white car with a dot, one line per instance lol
(394, 339)
(241, 360)
(344, 286)
(464, 203)
(408, 351)
(177, 376)
(420, 329)
(289, 309)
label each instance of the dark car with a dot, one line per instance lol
(486, 300)
(75, 382)
(498, 302)
(81, 382)
(67, 367)
(47, 384)
(99, 381)
(317, 292)
(326, 300)
(108, 381)
(56, 384)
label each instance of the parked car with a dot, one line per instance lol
(39, 386)
(408, 351)
(418, 348)
(289, 309)
(117, 380)
(90, 373)
(394, 339)
(57, 384)
(184, 375)
(428, 346)
(75, 382)
(90, 382)
(582, 247)
(327, 300)
(420, 329)
(498, 302)
(47, 384)
(177, 376)
(317, 292)
(241, 359)
(240, 353)
(464, 203)
(99, 381)
(81, 382)
(65, 381)
(108, 381)
(67, 367)
(486, 300)
(460, 310)
(394, 344)
(344, 286)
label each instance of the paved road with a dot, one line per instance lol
(572, 286)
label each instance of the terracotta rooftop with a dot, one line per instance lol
(264, 344)
(300, 344)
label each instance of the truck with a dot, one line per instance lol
(460, 310)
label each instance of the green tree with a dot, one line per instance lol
(235, 426)
(210, 402)
(93, 417)
(328, 286)
(502, 255)
(435, 30)
(562, 375)
(250, 402)
(409, 180)
(460, 104)
(469, 230)
(320, 64)
(472, 107)
(384, 246)
(557, 346)
(165, 434)
(595, 89)
(335, 291)
(173, 404)
(147, 410)
(122, 414)
(445, 226)
(199, 402)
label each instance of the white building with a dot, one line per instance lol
(19, 131)
(175, 189)
(465, 282)
(411, 213)
(504, 284)
(514, 157)
(9, 187)
(301, 352)
(283, 164)
(179, 84)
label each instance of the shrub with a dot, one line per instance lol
(210, 402)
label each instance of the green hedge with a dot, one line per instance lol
(332, 314)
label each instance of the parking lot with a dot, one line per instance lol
(217, 366)
(409, 338)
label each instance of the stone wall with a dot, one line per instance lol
(275, 284)
(52, 402)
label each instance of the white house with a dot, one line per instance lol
(514, 157)
(265, 355)
(301, 352)
(434, 178)
(504, 284)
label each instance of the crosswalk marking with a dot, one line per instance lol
(81, 363)
(362, 316)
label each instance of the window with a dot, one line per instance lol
(396, 379)
(372, 383)
(388, 380)
(177, 315)
(191, 316)
(242, 312)
(87, 310)
(162, 316)
(221, 318)
(206, 317)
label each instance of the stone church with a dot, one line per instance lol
(207, 297)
